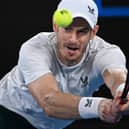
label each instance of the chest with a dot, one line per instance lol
(80, 81)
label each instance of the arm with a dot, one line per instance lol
(113, 111)
(113, 78)
(62, 105)
(54, 102)
(65, 106)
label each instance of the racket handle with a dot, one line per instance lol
(124, 98)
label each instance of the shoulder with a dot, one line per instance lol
(100, 44)
(39, 41)
(108, 55)
(98, 47)
(41, 38)
(104, 48)
(41, 44)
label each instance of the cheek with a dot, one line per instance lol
(62, 40)
(64, 36)
(61, 36)
(60, 43)
(84, 42)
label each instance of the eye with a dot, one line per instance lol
(68, 29)
(85, 31)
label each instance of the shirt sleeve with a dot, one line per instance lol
(34, 60)
(109, 58)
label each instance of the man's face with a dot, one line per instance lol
(72, 41)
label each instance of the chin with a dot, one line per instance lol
(73, 59)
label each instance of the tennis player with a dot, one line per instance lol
(57, 73)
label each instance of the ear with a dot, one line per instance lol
(94, 31)
(55, 27)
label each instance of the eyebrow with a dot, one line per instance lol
(85, 28)
(81, 28)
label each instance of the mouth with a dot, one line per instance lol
(72, 48)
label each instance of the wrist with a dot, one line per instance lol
(120, 88)
(89, 107)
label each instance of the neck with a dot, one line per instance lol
(68, 62)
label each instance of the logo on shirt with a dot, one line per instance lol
(84, 81)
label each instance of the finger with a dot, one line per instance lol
(119, 93)
(110, 118)
(117, 102)
(125, 107)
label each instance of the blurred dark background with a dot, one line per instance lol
(20, 20)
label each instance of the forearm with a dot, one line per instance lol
(67, 106)
(113, 78)
(61, 105)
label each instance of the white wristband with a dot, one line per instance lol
(88, 107)
(120, 87)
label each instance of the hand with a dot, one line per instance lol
(109, 112)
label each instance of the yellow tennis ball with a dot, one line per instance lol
(62, 18)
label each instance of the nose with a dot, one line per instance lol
(73, 37)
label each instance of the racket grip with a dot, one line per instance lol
(124, 98)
